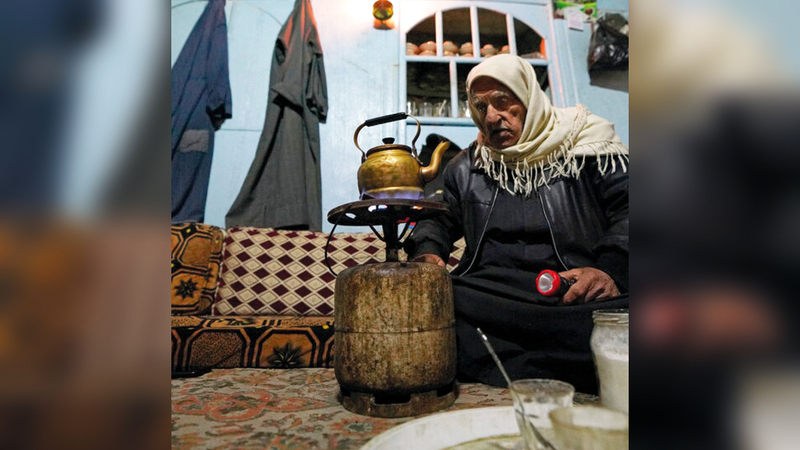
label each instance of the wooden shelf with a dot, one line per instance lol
(461, 59)
(450, 121)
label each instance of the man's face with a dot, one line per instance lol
(500, 112)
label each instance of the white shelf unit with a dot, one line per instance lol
(531, 21)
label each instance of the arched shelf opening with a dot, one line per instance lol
(442, 48)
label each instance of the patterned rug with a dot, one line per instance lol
(283, 409)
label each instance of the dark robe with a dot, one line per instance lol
(201, 101)
(534, 336)
(283, 188)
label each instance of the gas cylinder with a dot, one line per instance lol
(395, 343)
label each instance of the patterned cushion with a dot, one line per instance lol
(274, 272)
(262, 342)
(269, 272)
(196, 255)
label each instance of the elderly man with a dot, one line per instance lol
(540, 188)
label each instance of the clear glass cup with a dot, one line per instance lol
(533, 400)
(442, 108)
(411, 107)
(426, 109)
(589, 428)
(609, 343)
(463, 110)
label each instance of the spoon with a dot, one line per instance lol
(489, 347)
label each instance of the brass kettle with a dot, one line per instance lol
(394, 170)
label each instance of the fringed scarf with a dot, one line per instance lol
(554, 141)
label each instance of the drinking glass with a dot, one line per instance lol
(589, 428)
(442, 108)
(426, 109)
(533, 400)
(412, 106)
(463, 110)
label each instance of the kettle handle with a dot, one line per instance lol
(386, 119)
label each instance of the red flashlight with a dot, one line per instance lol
(549, 283)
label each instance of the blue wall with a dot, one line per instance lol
(573, 46)
(361, 64)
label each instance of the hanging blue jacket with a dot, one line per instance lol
(201, 101)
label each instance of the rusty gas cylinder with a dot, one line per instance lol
(395, 339)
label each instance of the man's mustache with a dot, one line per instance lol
(493, 131)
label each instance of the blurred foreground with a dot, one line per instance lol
(84, 207)
(715, 201)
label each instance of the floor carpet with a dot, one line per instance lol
(283, 409)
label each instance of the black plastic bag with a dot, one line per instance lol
(608, 48)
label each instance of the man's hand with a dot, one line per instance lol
(429, 258)
(590, 284)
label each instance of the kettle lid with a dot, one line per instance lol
(388, 144)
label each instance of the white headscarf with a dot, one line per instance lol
(552, 138)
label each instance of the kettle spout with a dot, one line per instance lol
(428, 173)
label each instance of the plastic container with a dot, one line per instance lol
(609, 344)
